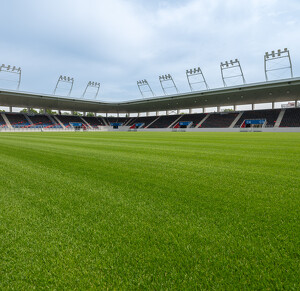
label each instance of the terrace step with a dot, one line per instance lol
(28, 119)
(279, 119)
(6, 120)
(51, 118)
(236, 120)
(58, 121)
(85, 122)
(128, 121)
(152, 121)
(173, 123)
(199, 124)
(103, 120)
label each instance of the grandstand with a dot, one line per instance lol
(291, 118)
(163, 112)
(2, 122)
(279, 119)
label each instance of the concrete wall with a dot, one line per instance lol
(267, 129)
(126, 128)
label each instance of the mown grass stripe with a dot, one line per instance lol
(149, 210)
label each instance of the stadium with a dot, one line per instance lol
(194, 189)
(286, 119)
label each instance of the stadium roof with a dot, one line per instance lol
(274, 91)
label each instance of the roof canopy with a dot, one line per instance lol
(275, 91)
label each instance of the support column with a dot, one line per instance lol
(252, 106)
(84, 113)
(273, 105)
(105, 114)
(168, 112)
(157, 113)
(203, 110)
(218, 109)
(59, 112)
(234, 108)
(139, 114)
(147, 113)
(72, 112)
(177, 111)
(95, 114)
(296, 103)
(190, 111)
(10, 108)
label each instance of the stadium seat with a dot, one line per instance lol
(219, 120)
(291, 118)
(270, 115)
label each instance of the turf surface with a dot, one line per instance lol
(149, 211)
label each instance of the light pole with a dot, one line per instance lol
(167, 82)
(144, 88)
(231, 66)
(64, 79)
(91, 84)
(12, 70)
(271, 66)
(195, 76)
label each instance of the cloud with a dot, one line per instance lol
(118, 42)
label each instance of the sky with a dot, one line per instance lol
(118, 42)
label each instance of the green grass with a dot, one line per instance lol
(149, 211)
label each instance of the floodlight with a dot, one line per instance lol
(91, 84)
(195, 76)
(231, 68)
(13, 70)
(64, 79)
(168, 78)
(277, 66)
(145, 88)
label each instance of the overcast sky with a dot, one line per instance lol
(117, 42)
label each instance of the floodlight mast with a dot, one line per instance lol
(93, 85)
(196, 72)
(229, 66)
(64, 79)
(13, 70)
(167, 78)
(268, 57)
(144, 84)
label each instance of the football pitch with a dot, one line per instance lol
(149, 210)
